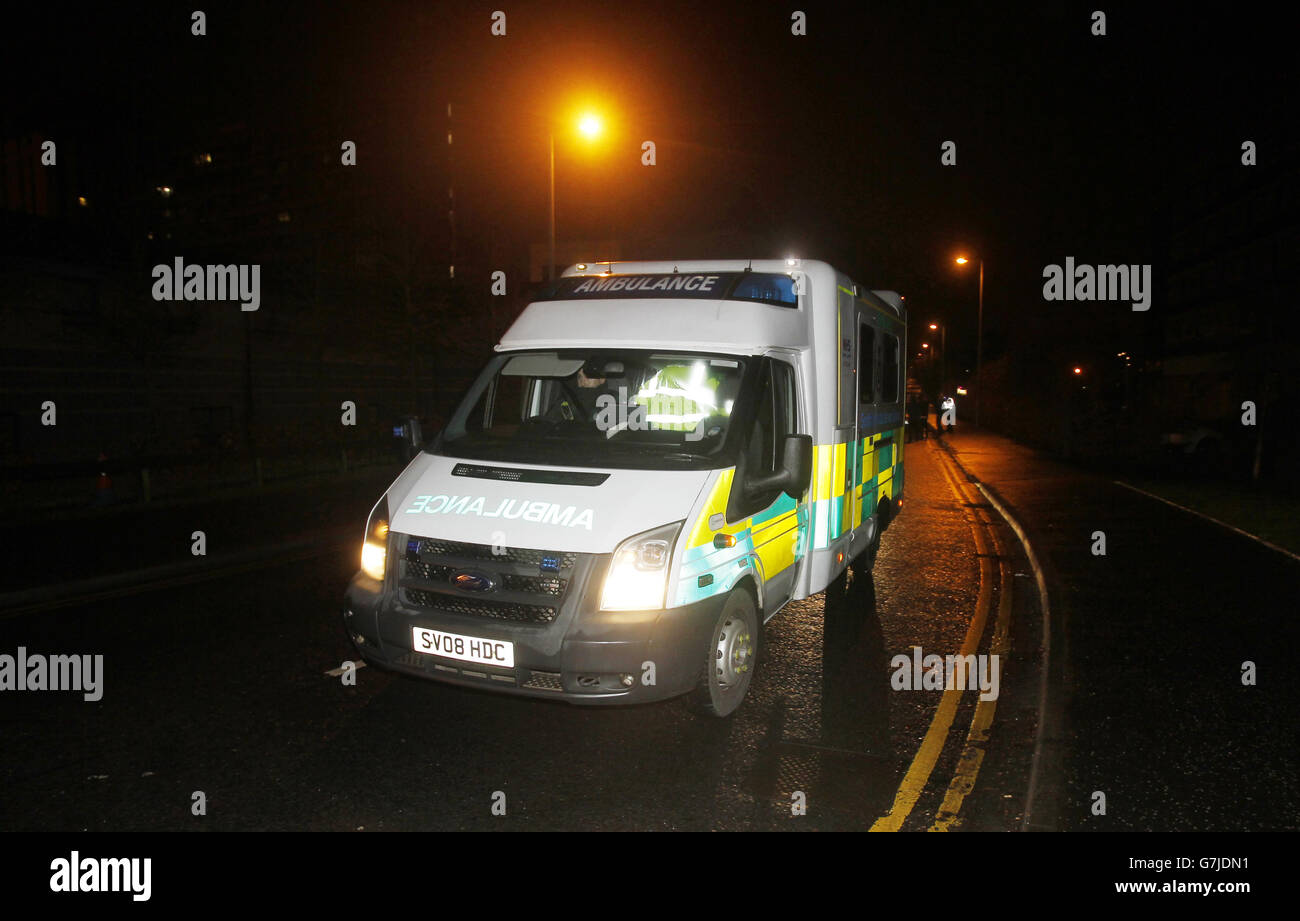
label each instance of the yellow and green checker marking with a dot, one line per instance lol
(778, 536)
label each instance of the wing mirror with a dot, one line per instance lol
(794, 474)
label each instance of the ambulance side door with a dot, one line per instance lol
(777, 523)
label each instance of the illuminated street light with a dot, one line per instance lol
(942, 329)
(1078, 370)
(979, 339)
(590, 127)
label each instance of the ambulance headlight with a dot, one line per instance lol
(374, 550)
(637, 579)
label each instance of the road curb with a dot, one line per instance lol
(1046, 765)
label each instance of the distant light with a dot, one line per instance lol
(201, 158)
(165, 191)
(961, 391)
(934, 325)
(81, 200)
(283, 217)
(962, 260)
(1078, 370)
(925, 345)
(589, 125)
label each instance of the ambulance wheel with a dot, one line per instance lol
(865, 561)
(731, 657)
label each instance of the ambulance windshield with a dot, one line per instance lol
(605, 408)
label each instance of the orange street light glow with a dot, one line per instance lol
(962, 260)
(934, 325)
(589, 125)
(1078, 370)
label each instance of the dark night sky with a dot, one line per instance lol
(827, 146)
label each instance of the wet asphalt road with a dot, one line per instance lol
(1147, 703)
(220, 687)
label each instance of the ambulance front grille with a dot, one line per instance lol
(544, 681)
(479, 580)
(437, 548)
(540, 585)
(500, 610)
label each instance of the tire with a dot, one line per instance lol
(865, 561)
(731, 657)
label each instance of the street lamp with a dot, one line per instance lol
(942, 329)
(979, 340)
(590, 127)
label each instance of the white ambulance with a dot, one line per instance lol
(659, 457)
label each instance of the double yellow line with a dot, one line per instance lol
(972, 755)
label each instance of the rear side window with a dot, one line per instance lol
(866, 363)
(889, 370)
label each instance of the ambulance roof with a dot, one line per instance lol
(739, 306)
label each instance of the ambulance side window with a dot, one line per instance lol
(787, 411)
(866, 363)
(889, 378)
(760, 453)
(501, 407)
(775, 417)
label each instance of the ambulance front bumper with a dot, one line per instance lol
(582, 655)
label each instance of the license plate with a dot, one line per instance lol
(464, 648)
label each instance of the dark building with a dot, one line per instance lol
(358, 300)
(1231, 333)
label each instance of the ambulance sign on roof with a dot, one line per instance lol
(739, 286)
